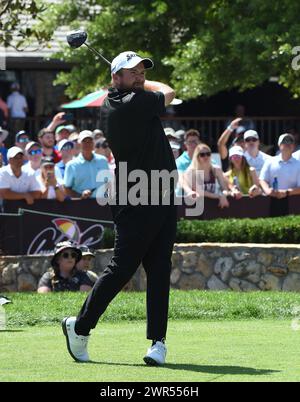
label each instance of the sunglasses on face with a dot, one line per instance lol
(192, 142)
(204, 154)
(23, 140)
(67, 148)
(35, 152)
(69, 255)
(251, 139)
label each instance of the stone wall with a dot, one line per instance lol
(239, 267)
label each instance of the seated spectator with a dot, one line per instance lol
(254, 156)
(243, 179)
(22, 139)
(47, 141)
(15, 184)
(50, 188)
(102, 148)
(212, 175)
(280, 176)
(3, 149)
(98, 135)
(238, 131)
(81, 173)
(66, 149)
(87, 262)
(64, 276)
(34, 155)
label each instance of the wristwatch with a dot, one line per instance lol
(56, 187)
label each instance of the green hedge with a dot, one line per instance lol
(267, 230)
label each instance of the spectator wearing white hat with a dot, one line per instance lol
(254, 156)
(243, 179)
(280, 176)
(34, 154)
(15, 184)
(81, 173)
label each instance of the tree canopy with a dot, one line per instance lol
(200, 47)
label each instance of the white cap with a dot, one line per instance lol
(170, 131)
(129, 59)
(32, 144)
(14, 151)
(251, 134)
(283, 136)
(62, 143)
(236, 151)
(3, 134)
(85, 134)
(174, 145)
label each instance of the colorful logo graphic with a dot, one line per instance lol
(68, 228)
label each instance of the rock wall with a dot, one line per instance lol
(239, 267)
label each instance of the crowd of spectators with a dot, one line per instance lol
(62, 163)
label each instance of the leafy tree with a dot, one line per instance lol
(200, 47)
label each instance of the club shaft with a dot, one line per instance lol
(97, 53)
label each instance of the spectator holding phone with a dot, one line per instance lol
(50, 188)
(242, 178)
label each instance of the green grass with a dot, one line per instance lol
(42, 310)
(212, 336)
(250, 351)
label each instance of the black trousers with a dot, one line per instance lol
(143, 234)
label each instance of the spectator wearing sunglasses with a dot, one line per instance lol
(102, 148)
(254, 156)
(213, 175)
(66, 149)
(50, 188)
(64, 276)
(243, 179)
(22, 139)
(280, 176)
(34, 153)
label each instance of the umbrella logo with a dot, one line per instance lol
(68, 228)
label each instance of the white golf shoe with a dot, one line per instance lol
(77, 344)
(156, 355)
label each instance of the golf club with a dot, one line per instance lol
(78, 38)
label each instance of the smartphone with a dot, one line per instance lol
(68, 117)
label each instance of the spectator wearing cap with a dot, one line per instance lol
(3, 149)
(174, 141)
(102, 148)
(81, 173)
(254, 156)
(47, 141)
(98, 135)
(77, 148)
(280, 176)
(234, 128)
(87, 262)
(34, 155)
(50, 188)
(212, 175)
(18, 108)
(22, 139)
(242, 178)
(62, 133)
(66, 149)
(15, 184)
(64, 276)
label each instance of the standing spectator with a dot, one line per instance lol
(47, 141)
(240, 113)
(18, 108)
(62, 133)
(280, 176)
(22, 139)
(64, 276)
(102, 148)
(50, 188)
(15, 184)
(212, 175)
(81, 173)
(87, 262)
(66, 149)
(243, 179)
(254, 156)
(4, 112)
(34, 155)
(3, 149)
(98, 135)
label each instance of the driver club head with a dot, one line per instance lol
(76, 38)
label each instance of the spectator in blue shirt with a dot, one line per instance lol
(66, 148)
(3, 149)
(280, 175)
(81, 173)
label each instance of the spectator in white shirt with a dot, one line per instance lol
(254, 156)
(280, 176)
(50, 188)
(15, 184)
(34, 155)
(18, 108)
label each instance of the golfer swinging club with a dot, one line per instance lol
(144, 233)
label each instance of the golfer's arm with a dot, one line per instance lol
(160, 87)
